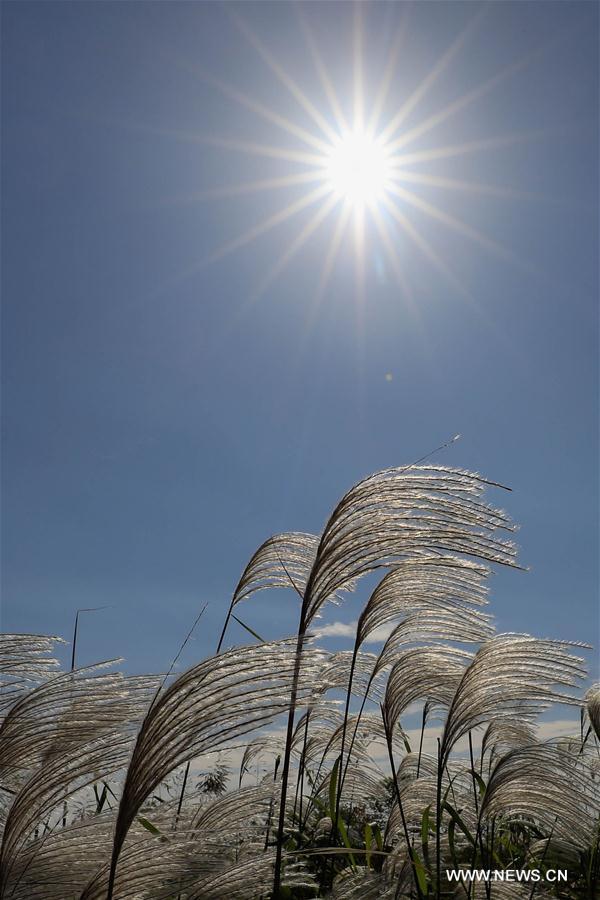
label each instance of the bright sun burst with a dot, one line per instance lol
(358, 168)
(362, 169)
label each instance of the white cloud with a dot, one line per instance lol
(381, 634)
(557, 728)
(378, 753)
(337, 629)
(348, 630)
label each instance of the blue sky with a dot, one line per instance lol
(162, 415)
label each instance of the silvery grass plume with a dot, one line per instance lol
(284, 560)
(592, 704)
(56, 740)
(333, 794)
(206, 708)
(430, 597)
(551, 785)
(25, 656)
(24, 662)
(392, 514)
(58, 863)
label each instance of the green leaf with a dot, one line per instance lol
(149, 826)
(425, 826)
(421, 875)
(344, 836)
(459, 821)
(480, 782)
(368, 842)
(248, 629)
(378, 838)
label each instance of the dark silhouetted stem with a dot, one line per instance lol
(438, 824)
(287, 757)
(388, 740)
(344, 727)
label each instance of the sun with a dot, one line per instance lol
(358, 168)
(354, 166)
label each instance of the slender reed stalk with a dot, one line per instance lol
(344, 727)
(300, 782)
(422, 735)
(438, 823)
(473, 774)
(285, 772)
(388, 739)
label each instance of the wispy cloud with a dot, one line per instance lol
(546, 730)
(337, 629)
(348, 630)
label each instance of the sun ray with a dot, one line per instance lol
(227, 143)
(235, 144)
(457, 225)
(426, 248)
(386, 80)
(240, 241)
(266, 225)
(477, 308)
(477, 187)
(455, 184)
(407, 291)
(401, 160)
(281, 74)
(254, 106)
(430, 79)
(452, 150)
(322, 72)
(282, 262)
(358, 69)
(295, 245)
(359, 251)
(267, 150)
(332, 251)
(198, 137)
(326, 270)
(270, 116)
(253, 187)
(392, 255)
(462, 102)
(360, 309)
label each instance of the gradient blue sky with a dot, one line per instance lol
(160, 420)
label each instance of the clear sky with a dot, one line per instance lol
(174, 391)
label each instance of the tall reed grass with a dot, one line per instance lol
(114, 786)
